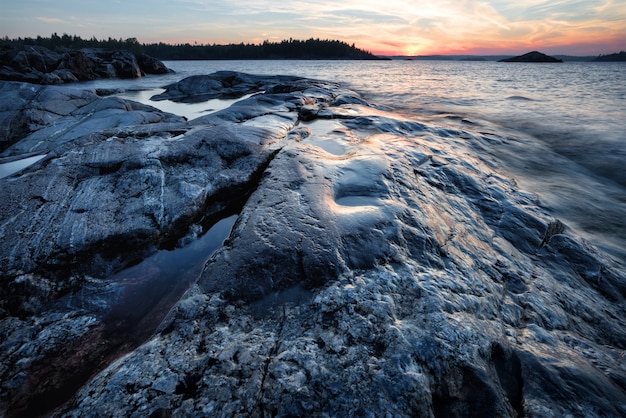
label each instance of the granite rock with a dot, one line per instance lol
(230, 84)
(41, 118)
(119, 180)
(37, 64)
(379, 267)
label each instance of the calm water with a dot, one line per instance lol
(561, 128)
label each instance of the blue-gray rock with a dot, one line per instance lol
(379, 267)
(229, 84)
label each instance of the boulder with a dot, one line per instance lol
(151, 65)
(43, 66)
(227, 84)
(40, 118)
(126, 65)
(27, 64)
(81, 65)
(27, 108)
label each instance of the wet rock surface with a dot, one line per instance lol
(37, 64)
(39, 119)
(379, 266)
(228, 84)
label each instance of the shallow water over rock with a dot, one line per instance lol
(113, 316)
(16, 165)
(149, 289)
(188, 110)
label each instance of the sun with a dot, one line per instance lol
(412, 50)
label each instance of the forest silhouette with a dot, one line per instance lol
(286, 49)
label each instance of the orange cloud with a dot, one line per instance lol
(392, 27)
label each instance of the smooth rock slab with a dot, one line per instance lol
(26, 108)
(119, 181)
(231, 84)
(405, 277)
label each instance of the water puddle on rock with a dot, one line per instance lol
(127, 309)
(329, 145)
(12, 167)
(188, 110)
(149, 289)
(328, 135)
(357, 201)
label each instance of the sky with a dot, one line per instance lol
(384, 27)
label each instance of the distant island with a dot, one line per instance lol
(485, 58)
(533, 56)
(620, 56)
(286, 49)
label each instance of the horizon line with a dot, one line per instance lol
(353, 44)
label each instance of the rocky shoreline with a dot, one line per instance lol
(378, 265)
(40, 65)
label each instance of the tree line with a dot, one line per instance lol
(286, 49)
(619, 56)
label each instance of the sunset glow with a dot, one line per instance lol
(393, 27)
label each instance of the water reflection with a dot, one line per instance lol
(150, 288)
(12, 167)
(577, 112)
(188, 110)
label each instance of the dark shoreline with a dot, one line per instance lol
(287, 49)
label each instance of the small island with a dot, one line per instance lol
(534, 56)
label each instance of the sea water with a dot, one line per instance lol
(559, 129)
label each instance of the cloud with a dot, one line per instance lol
(416, 26)
(391, 26)
(50, 19)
